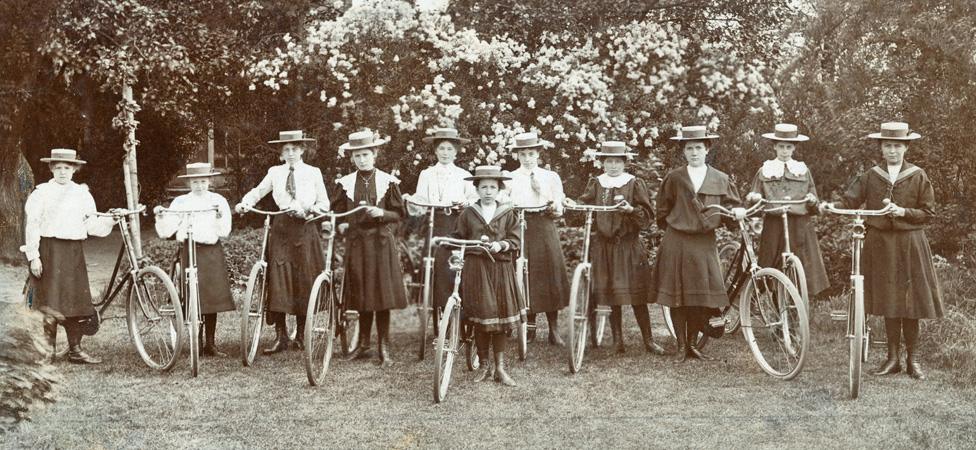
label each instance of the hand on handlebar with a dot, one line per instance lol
(343, 227)
(753, 197)
(240, 208)
(824, 206)
(810, 198)
(495, 247)
(896, 210)
(158, 209)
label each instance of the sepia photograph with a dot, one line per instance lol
(399, 224)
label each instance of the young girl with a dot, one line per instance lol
(294, 247)
(688, 272)
(620, 264)
(778, 179)
(532, 185)
(444, 184)
(488, 283)
(374, 277)
(900, 282)
(208, 229)
(57, 221)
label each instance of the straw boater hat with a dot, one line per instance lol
(786, 132)
(488, 173)
(612, 148)
(363, 139)
(528, 140)
(199, 170)
(63, 155)
(445, 134)
(285, 137)
(895, 131)
(694, 133)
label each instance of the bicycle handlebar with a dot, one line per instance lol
(117, 212)
(888, 209)
(267, 213)
(185, 212)
(338, 215)
(409, 199)
(443, 240)
(537, 208)
(719, 209)
(594, 208)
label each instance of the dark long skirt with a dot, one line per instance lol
(443, 285)
(899, 278)
(620, 271)
(374, 275)
(63, 290)
(688, 272)
(548, 282)
(490, 298)
(295, 259)
(212, 277)
(803, 243)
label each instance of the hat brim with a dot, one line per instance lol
(910, 137)
(347, 147)
(604, 155)
(798, 138)
(542, 143)
(285, 141)
(487, 177)
(430, 139)
(202, 175)
(64, 160)
(702, 138)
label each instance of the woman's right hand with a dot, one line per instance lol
(36, 268)
(240, 208)
(343, 227)
(753, 197)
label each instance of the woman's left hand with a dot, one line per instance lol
(896, 210)
(495, 247)
(375, 212)
(810, 198)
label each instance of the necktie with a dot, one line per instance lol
(290, 182)
(534, 184)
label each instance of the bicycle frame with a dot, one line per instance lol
(522, 262)
(112, 290)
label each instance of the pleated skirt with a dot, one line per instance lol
(62, 290)
(688, 272)
(294, 260)
(490, 298)
(548, 281)
(899, 277)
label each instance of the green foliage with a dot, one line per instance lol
(240, 250)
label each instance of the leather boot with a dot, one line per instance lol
(911, 331)
(554, 338)
(362, 349)
(680, 336)
(51, 337)
(530, 332)
(644, 322)
(487, 370)
(892, 365)
(386, 360)
(500, 375)
(299, 342)
(618, 338)
(693, 350)
(281, 339)
(591, 324)
(914, 369)
(75, 354)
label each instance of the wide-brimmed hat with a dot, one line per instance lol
(63, 155)
(488, 173)
(285, 137)
(786, 132)
(363, 139)
(694, 133)
(611, 148)
(528, 140)
(445, 134)
(199, 170)
(895, 131)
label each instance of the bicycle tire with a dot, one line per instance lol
(193, 329)
(522, 277)
(320, 330)
(856, 336)
(445, 348)
(728, 256)
(577, 325)
(252, 313)
(154, 318)
(599, 328)
(775, 323)
(348, 319)
(798, 275)
(424, 306)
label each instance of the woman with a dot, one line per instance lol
(58, 218)
(208, 229)
(443, 184)
(294, 247)
(619, 261)
(373, 283)
(688, 272)
(899, 278)
(532, 185)
(488, 286)
(785, 178)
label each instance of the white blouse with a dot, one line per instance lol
(520, 193)
(61, 211)
(309, 188)
(208, 227)
(893, 172)
(697, 175)
(443, 184)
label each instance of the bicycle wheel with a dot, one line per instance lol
(775, 323)
(423, 306)
(600, 329)
(155, 318)
(252, 313)
(794, 271)
(855, 335)
(193, 327)
(445, 348)
(732, 265)
(320, 330)
(348, 319)
(522, 284)
(579, 299)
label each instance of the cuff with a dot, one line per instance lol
(30, 253)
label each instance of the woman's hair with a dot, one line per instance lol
(501, 183)
(307, 150)
(51, 165)
(455, 144)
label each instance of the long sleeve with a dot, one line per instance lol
(511, 235)
(812, 189)
(395, 207)
(643, 210)
(589, 193)
(856, 193)
(420, 196)
(167, 224)
(262, 189)
(924, 209)
(757, 185)
(556, 194)
(224, 217)
(32, 225)
(665, 202)
(321, 195)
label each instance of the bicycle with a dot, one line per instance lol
(190, 284)
(255, 296)
(327, 315)
(425, 305)
(579, 294)
(773, 317)
(449, 328)
(522, 278)
(154, 316)
(855, 316)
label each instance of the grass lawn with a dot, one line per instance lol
(633, 400)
